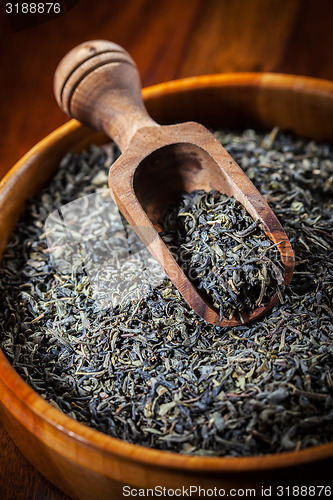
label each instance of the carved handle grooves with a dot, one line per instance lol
(81, 61)
(66, 106)
(76, 67)
(98, 84)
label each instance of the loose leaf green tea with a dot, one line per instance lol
(149, 370)
(223, 251)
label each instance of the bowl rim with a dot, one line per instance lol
(32, 405)
(241, 79)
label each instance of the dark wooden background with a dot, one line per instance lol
(168, 39)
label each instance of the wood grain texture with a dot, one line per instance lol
(168, 39)
(19, 480)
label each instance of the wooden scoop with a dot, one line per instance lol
(98, 84)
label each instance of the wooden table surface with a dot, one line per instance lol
(168, 39)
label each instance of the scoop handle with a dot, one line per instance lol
(98, 83)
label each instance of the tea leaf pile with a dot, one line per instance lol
(150, 371)
(223, 251)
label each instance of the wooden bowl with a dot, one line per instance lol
(84, 462)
